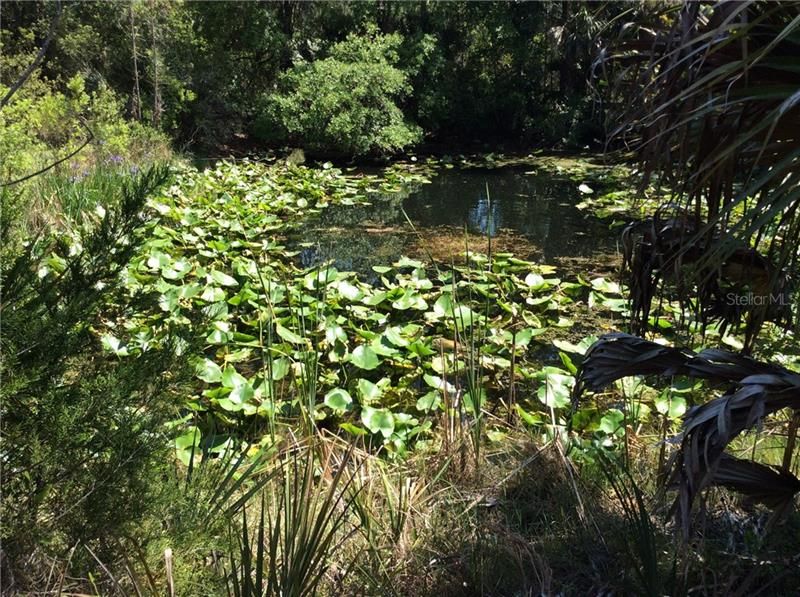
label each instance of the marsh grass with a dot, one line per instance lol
(301, 522)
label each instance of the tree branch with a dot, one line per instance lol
(56, 163)
(39, 57)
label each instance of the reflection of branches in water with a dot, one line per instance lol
(485, 217)
(530, 216)
(354, 251)
(382, 210)
(539, 207)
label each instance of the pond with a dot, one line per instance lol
(530, 214)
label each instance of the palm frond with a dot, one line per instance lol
(708, 97)
(756, 390)
(764, 484)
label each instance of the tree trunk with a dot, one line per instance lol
(157, 107)
(136, 108)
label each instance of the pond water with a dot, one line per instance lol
(531, 215)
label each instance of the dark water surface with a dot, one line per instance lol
(537, 209)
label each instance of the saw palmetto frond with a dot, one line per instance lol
(755, 391)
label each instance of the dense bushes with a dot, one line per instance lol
(83, 435)
(345, 103)
(81, 140)
(46, 120)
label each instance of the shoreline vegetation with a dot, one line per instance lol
(188, 407)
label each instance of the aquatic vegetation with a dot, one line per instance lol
(282, 343)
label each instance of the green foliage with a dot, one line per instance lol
(83, 432)
(302, 524)
(42, 123)
(281, 341)
(346, 103)
(495, 72)
(45, 122)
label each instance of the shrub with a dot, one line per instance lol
(84, 441)
(346, 103)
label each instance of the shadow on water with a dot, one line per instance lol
(531, 215)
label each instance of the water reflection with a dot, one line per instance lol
(485, 217)
(539, 208)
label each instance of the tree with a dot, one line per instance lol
(346, 103)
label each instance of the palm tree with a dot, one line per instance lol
(755, 391)
(707, 96)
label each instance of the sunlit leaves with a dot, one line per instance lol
(223, 279)
(378, 420)
(208, 371)
(289, 335)
(671, 406)
(279, 338)
(187, 444)
(113, 344)
(338, 399)
(364, 357)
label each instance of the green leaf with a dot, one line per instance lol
(289, 335)
(217, 337)
(113, 344)
(334, 332)
(280, 367)
(350, 428)
(606, 287)
(231, 378)
(464, 317)
(223, 279)
(378, 420)
(406, 262)
(443, 305)
(365, 358)
(410, 300)
(213, 294)
(429, 401)
(395, 337)
(421, 349)
(208, 371)
(338, 400)
(436, 382)
(186, 444)
(556, 390)
(375, 298)
(673, 407)
(368, 391)
(535, 281)
(349, 291)
(241, 393)
(611, 423)
(529, 418)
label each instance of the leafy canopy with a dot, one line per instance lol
(346, 103)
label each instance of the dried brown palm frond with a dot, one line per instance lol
(666, 248)
(707, 95)
(754, 390)
(763, 484)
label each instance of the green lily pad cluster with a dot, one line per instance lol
(274, 343)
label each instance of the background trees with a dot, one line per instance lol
(346, 102)
(207, 72)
